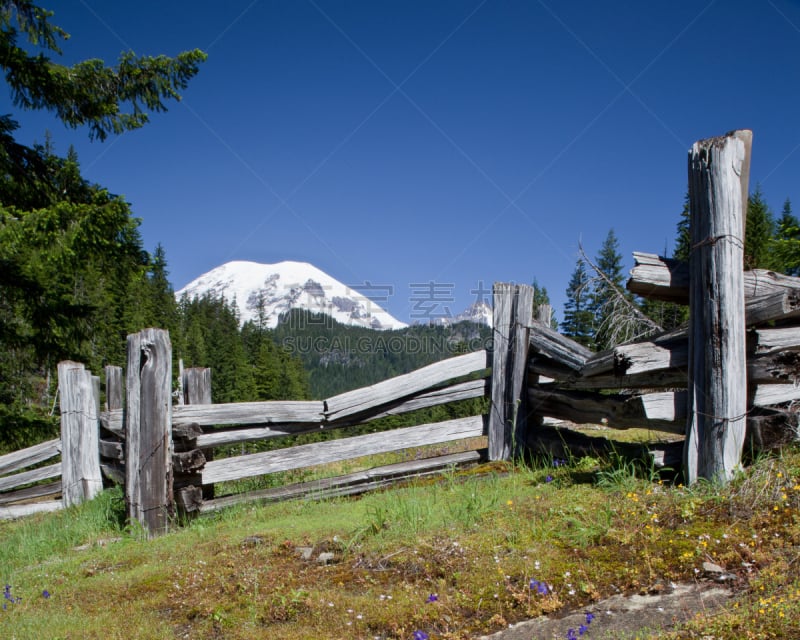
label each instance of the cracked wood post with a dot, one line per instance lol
(80, 447)
(196, 384)
(148, 428)
(512, 318)
(719, 171)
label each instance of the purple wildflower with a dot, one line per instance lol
(420, 635)
(571, 634)
(582, 629)
(549, 478)
(589, 618)
(433, 597)
(45, 594)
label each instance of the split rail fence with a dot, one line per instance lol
(726, 382)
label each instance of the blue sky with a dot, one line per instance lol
(459, 143)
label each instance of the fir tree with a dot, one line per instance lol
(785, 246)
(607, 288)
(759, 230)
(578, 317)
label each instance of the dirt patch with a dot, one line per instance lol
(623, 616)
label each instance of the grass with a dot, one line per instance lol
(464, 555)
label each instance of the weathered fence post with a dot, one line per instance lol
(113, 388)
(80, 455)
(715, 432)
(513, 313)
(196, 384)
(196, 389)
(148, 429)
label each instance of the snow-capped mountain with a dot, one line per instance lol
(288, 285)
(478, 312)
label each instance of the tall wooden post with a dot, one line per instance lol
(513, 312)
(719, 171)
(80, 453)
(113, 388)
(196, 384)
(148, 427)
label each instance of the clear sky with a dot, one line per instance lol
(459, 143)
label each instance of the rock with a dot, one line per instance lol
(252, 541)
(325, 557)
(304, 552)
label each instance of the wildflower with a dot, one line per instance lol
(420, 635)
(571, 634)
(589, 618)
(539, 587)
(433, 597)
(582, 629)
(549, 478)
(46, 594)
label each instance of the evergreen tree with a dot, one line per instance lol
(87, 93)
(759, 230)
(785, 246)
(683, 242)
(606, 291)
(578, 317)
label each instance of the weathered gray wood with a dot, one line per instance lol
(768, 430)
(31, 493)
(257, 464)
(189, 499)
(181, 399)
(113, 421)
(22, 510)
(30, 456)
(188, 461)
(776, 340)
(717, 407)
(112, 450)
(148, 447)
(660, 379)
(544, 314)
(27, 477)
(551, 344)
(774, 368)
(513, 317)
(80, 458)
(114, 388)
(358, 401)
(184, 437)
(196, 385)
(453, 393)
(272, 412)
(351, 484)
(660, 278)
(668, 351)
(113, 472)
(781, 305)
(664, 411)
(225, 437)
(766, 395)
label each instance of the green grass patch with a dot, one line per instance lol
(455, 557)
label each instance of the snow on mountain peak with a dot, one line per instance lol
(277, 288)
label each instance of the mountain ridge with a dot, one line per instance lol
(264, 292)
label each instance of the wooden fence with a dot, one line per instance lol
(727, 380)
